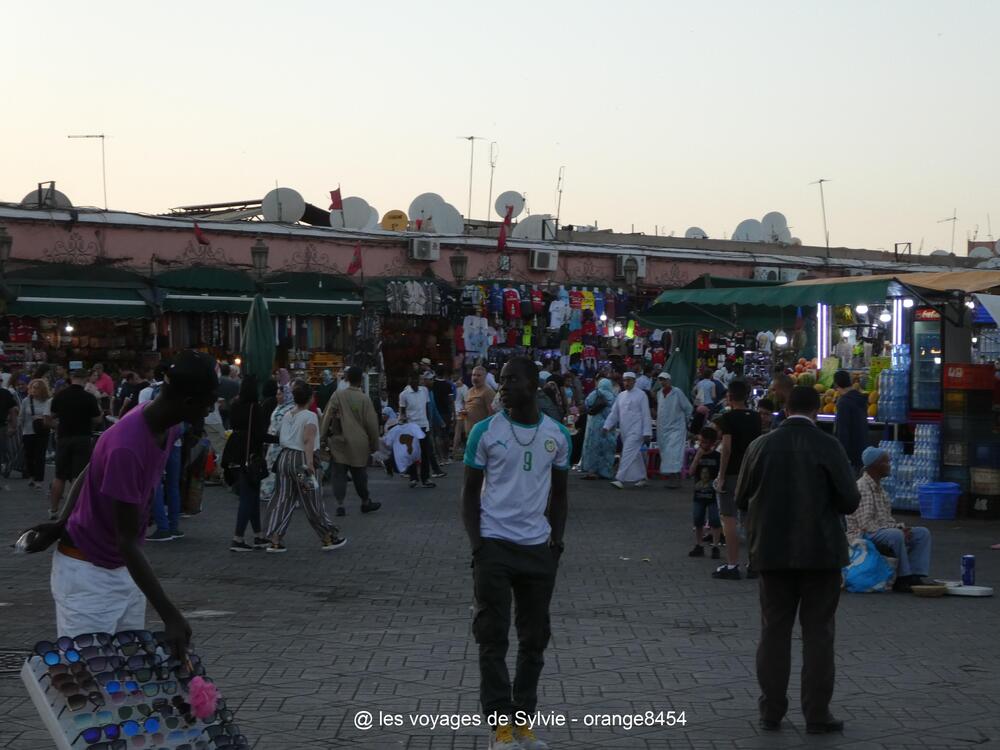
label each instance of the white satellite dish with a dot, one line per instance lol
(795, 241)
(284, 205)
(785, 236)
(749, 230)
(355, 215)
(373, 219)
(536, 227)
(509, 198)
(449, 220)
(49, 198)
(772, 225)
(939, 252)
(991, 263)
(696, 233)
(426, 206)
(980, 252)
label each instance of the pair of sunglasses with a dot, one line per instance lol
(73, 683)
(131, 642)
(55, 670)
(78, 701)
(128, 728)
(92, 719)
(104, 640)
(53, 653)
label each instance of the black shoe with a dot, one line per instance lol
(240, 547)
(726, 573)
(427, 485)
(160, 536)
(769, 726)
(751, 573)
(413, 483)
(260, 542)
(829, 726)
(697, 551)
(370, 507)
(923, 581)
(177, 534)
(707, 537)
(388, 469)
(438, 475)
(332, 541)
(715, 552)
(341, 511)
(903, 585)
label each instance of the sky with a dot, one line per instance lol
(665, 114)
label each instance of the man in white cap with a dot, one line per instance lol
(630, 413)
(673, 410)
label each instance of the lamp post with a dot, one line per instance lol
(459, 266)
(258, 254)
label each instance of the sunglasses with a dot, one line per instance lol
(102, 640)
(50, 652)
(152, 689)
(78, 701)
(63, 669)
(69, 685)
(93, 719)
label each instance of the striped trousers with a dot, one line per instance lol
(289, 493)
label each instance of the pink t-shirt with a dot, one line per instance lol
(126, 466)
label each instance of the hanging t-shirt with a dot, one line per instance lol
(496, 299)
(517, 461)
(537, 301)
(558, 313)
(511, 304)
(764, 341)
(586, 300)
(610, 307)
(598, 303)
(512, 337)
(575, 299)
(527, 308)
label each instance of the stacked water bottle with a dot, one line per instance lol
(911, 471)
(894, 387)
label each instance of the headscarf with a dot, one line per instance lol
(606, 389)
(327, 377)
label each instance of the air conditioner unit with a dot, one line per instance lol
(766, 273)
(791, 274)
(544, 260)
(620, 266)
(424, 249)
(859, 272)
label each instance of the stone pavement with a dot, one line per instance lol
(300, 643)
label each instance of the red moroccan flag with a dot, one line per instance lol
(336, 202)
(508, 216)
(200, 235)
(355, 262)
(502, 237)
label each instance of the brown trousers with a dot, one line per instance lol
(814, 594)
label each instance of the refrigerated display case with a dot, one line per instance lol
(927, 352)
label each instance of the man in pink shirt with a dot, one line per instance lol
(103, 382)
(100, 577)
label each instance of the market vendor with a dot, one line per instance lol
(873, 520)
(673, 410)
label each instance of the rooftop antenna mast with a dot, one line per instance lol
(559, 191)
(954, 220)
(822, 203)
(989, 228)
(494, 153)
(104, 167)
(472, 161)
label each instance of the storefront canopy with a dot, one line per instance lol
(70, 291)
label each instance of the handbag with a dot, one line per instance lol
(256, 466)
(598, 406)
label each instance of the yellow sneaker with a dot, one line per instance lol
(502, 738)
(527, 739)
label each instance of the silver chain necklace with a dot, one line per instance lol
(514, 432)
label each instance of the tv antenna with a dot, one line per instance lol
(472, 160)
(494, 153)
(104, 168)
(559, 191)
(989, 228)
(822, 203)
(954, 220)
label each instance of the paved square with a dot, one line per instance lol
(300, 643)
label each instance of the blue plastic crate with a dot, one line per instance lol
(938, 500)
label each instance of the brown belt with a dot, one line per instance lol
(71, 552)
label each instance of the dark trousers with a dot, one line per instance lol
(249, 508)
(430, 456)
(528, 573)
(359, 476)
(815, 594)
(426, 456)
(34, 456)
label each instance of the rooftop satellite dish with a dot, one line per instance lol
(980, 252)
(426, 206)
(696, 233)
(536, 227)
(772, 226)
(939, 252)
(991, 263)
(449, 221)
(46, 197)
(284, 205)
(373, 219)
(355, 215)
(395, 221)
(795, 241)
(785, 236)
(748, 230)
(509, 198)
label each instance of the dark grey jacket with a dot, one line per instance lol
(795, 484)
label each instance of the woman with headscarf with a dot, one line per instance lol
(283, 405)
(599, 447)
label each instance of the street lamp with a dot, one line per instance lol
(258, 254)
(459, 266)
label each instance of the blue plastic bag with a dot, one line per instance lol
(867, 571)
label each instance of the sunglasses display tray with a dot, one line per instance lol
(131, 707)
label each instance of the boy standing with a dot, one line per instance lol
(514, 460)
(705, 469)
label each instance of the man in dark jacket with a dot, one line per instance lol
(851, 426)
(794, 485)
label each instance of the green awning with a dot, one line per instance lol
(329, 305)
(207, 279)
(786, 295)
(59, 301)
(187, 301)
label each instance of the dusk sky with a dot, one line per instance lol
(664, 114)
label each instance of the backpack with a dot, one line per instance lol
(719, 391)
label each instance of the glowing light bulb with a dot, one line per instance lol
(780, 338)
(937, 360)
(885, 317)
(907, 303)
(604, 318)
(846, 333)
(970, 304)
(975, 339)
(238, 361)
(618, 329)
(69, 328)
(861, 309)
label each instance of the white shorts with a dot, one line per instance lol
(90, 599)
